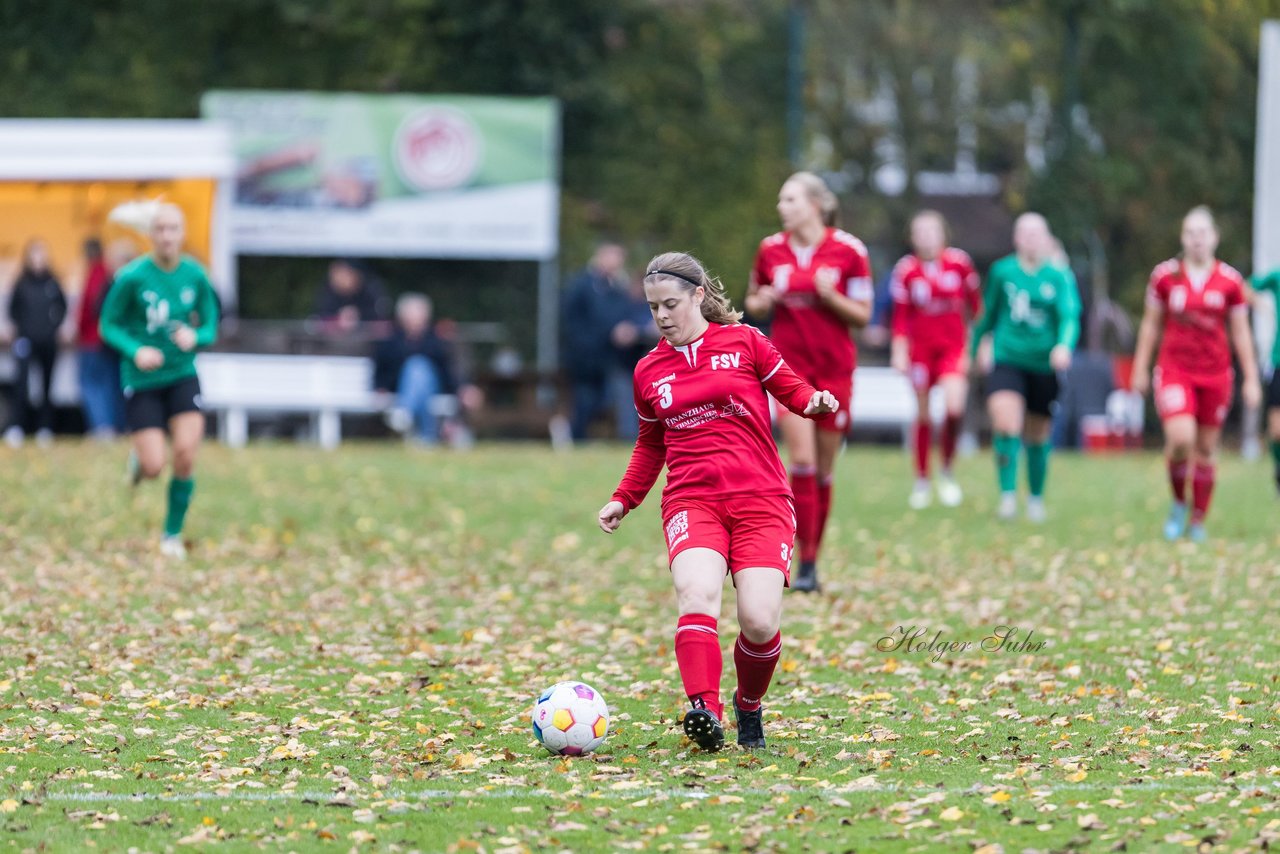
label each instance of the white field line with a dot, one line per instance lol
(248, 795)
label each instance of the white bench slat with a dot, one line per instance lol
(326, 387)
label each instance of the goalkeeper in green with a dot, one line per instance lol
(1031, 310)
(161, 308)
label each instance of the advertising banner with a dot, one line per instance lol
(392, 175)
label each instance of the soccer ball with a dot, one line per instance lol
(570, 719)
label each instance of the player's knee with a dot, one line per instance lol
(150, 466)
(184, 462)
(697, 599)
(759, 624)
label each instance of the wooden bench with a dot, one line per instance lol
(238, 386)
(884, 399)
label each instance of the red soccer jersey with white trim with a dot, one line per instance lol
(1195, 316)
(704, 413)
(812, 338)
(934, 300)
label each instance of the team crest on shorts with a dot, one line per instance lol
(678, 529)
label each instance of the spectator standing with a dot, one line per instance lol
(632, 336)
(99, 365)
(594, 304)
(37, 308)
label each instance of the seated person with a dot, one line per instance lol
(350, 297)
(415, 364)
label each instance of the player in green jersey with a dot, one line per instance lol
(1271, 284)
(161, 308)
(1032, 311)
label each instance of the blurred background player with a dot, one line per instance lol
(37, 308)
(1192, 300)
(1032, 311)
(936, 292)
(1271, 284)
(815, 282)
(726, 508)
(161, 308)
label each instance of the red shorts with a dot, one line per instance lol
(1208, 399)
(928, 365)
(842, 389)
(750, 530)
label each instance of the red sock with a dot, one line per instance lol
(755, 664)
(699, 658)
(804, 485)
(1178, 480)
(950, 435)
(924, 438)
(1201, 491)
(824, 510)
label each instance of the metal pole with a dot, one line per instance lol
(548, 328)
(795, 80)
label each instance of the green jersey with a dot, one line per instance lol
(1271, 283)
(1029, 313)
(146, 305)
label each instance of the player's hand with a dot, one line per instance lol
(185, 337)
(766, 297)
(611, 516)
(1140, 382)
(899, 358)
(1251, 392)
(825, 280)
(822, 403)
(148, 358)
(1060, 357)
(986, 356)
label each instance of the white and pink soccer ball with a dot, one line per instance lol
(570, 719)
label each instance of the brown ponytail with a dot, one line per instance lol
(688, 273)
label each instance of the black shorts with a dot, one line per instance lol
(1037, 389)
(1273, 390)
(153, 407)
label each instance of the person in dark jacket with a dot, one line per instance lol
(349, 297)
(415, 365)
(37, 308)
(595, 302)
(634, 335)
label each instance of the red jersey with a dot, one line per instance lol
(704, 413)
(1195, 332)
(933, 300)
(812, 338)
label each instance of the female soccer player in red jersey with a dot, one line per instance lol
(1194, 300)
(935, 292)
(816, 281)
(726, 507)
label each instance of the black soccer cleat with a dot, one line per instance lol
(703, 728)
(750, 726)
(806, 580)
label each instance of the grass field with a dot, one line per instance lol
(351, 654)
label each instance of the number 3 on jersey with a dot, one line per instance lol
(664, 398)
